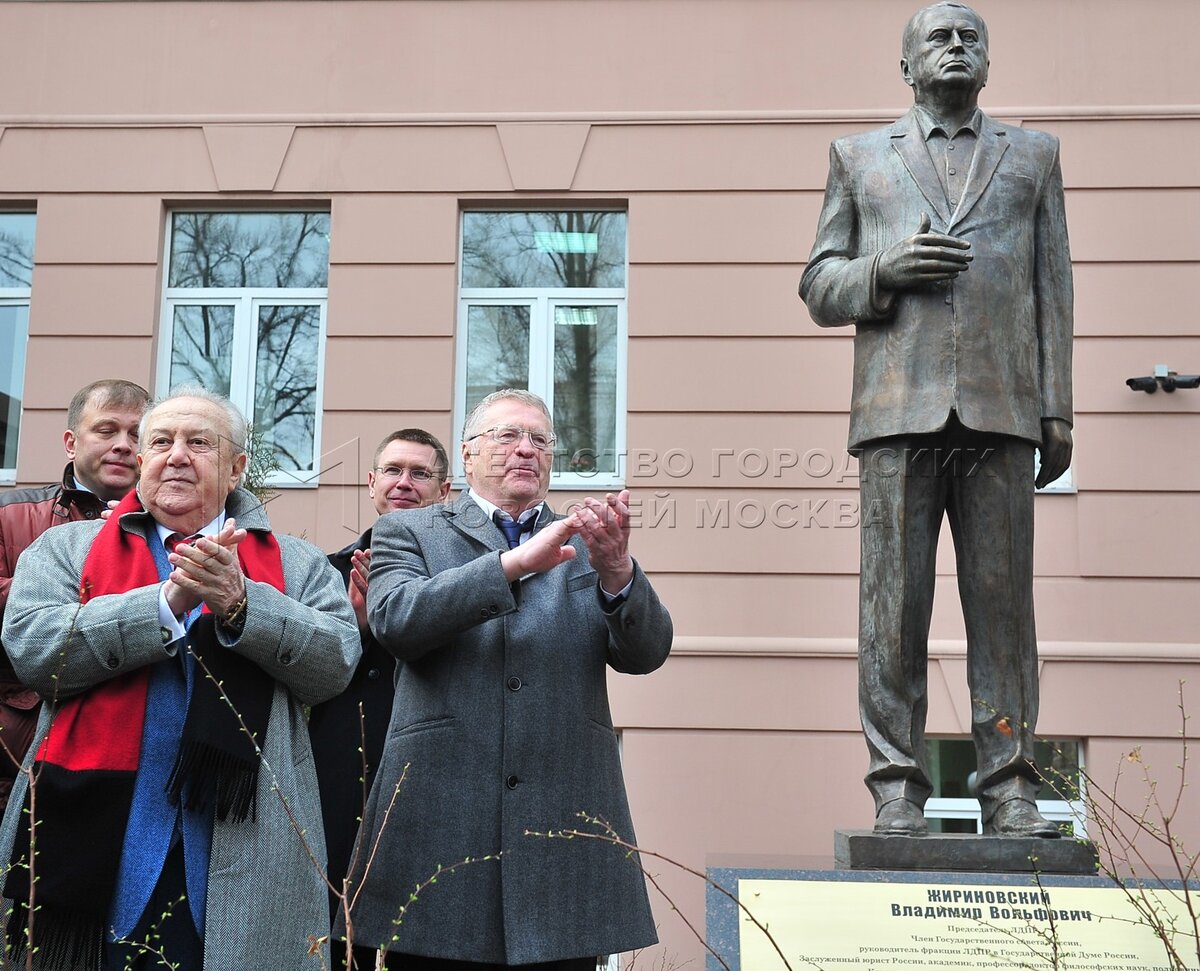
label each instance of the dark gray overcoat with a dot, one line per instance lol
(502, 720)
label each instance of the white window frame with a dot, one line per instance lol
(542, 302)
(1064, 484)
(1055, 810)
(246, 302)
(16, 297)
(1072, 811)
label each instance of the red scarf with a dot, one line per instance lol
(88, 760)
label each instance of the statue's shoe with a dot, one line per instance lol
(900, 817)
(1019, 817)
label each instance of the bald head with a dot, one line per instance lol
(915, 26)
(945, 56)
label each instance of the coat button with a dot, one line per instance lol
(493, 610)
(511, 782)
(285, 657)
(113, 662)
(373, 674)
(90, 514)
(514, 684)
(483, 612)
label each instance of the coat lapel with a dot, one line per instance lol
(472, 522)
(910, 146)
(993, 143)
(469, 519)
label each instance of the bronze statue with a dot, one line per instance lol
(943, 240)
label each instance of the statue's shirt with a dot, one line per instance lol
(951, 154)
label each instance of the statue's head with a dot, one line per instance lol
(945, 48)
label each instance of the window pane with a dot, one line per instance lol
(544, 249)
(14, 337)
(202, 347)
(1058, 762)
(16, 249)
(952, 763)
(497, 351)
(285, 383)
(250, 249)
(585, 388)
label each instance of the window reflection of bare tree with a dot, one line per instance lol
(16, 259)
(584, 388)
(255, 250)
(572, 250)
(497, 350)
(278, 250)
(16, 272)
(285, 389)
(201, 343)
(501, 249)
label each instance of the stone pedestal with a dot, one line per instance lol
(867, 850)
(995, 911)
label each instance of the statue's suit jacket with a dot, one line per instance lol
(501, 725)
(993, 344)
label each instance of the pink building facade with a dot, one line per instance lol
(698, 130)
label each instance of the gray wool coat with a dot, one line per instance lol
(501, 725)
(265, 895)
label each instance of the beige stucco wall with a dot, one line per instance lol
(710, 119)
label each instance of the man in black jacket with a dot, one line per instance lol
(410, 470)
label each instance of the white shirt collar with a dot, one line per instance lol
(210, 530)
(491, 508)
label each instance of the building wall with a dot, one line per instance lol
(710, 120)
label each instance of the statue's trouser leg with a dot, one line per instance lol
(991, 517)
(901, 513)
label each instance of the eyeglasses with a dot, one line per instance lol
(417, 474)
(511, 434)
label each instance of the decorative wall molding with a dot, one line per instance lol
(847, 647)
(805, 116)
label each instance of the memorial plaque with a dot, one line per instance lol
(836, 920)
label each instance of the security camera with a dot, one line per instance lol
(1163, 377)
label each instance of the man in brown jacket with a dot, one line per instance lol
(943, 240)
(101, 445)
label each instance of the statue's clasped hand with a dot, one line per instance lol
(1055, 451)
(922, 258)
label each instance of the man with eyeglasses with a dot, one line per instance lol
(409, 470)
(504, 618)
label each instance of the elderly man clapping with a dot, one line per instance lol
(176, 642)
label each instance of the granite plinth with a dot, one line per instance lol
(867, 850)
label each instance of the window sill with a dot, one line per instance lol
(292, 480)
(591, 485)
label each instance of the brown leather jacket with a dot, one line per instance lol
(24, 515)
